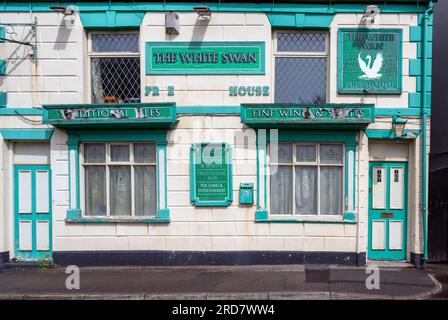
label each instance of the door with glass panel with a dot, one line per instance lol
(387, 211)
(32, 213)
(306, 178)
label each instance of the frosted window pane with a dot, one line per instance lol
(330, 190)
(306, 190)
(281, 154)
(120, 190)
(95, 153)
(95, 177)
(331, 153)
(119, 153)
(305, 153)
(281, 190)
(145, 190)
(144, 153)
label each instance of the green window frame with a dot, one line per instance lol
(77, 137)
(347, 138)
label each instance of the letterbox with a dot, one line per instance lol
(246, 193)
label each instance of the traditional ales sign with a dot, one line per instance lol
(369, 61)
(206, 57)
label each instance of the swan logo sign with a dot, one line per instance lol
(369, 61)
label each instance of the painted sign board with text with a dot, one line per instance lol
(211, 174)
(369, 61)
(234, 57)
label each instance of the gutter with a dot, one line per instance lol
(424, 114)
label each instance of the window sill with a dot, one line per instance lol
(346, 218)
(75, 216)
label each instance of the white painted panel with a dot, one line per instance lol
(42, 192)
(378, 235)
(24, 191)
(350, 181)
(396, 235)
(31, 153)
(379, 188)
(388, 151)
(25, 236)
(396, 187)
(43, 235)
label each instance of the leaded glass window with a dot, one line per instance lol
(300, 67)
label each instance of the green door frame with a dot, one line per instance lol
(34, 254)
(398, 214)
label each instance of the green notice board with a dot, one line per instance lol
(211, 174)
(207, 57)
(369, 61)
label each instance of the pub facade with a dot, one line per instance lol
(183, 133)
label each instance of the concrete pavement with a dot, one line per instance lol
(292, 282)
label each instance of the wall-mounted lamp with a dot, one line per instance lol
(203, 12)
(66, 11)
(398, 124)
(369, 13)
(172, 25)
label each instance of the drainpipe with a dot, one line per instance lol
(426, 16)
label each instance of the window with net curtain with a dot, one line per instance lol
(114, 67)
(120, 179)
(300, 67)
(306, 178)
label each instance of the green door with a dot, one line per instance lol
(32, 212)
(387, 211)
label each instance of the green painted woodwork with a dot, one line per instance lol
(300, 20)
(416, 68)
(77, 136)
(26, 134)
(20, 111)
(3, 99)
(2, 33)
(337, 6)
(398, 214)
(415, 99)
(2, 67)
(264, 136)
(420, 84)
(415, 33)
(33, 216)
(129, 114)
(207, 57)
(390, 134)
(111, 19)
(278, 115)
(360, 49)
(211, 174)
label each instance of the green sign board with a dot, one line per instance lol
(236, 57)
(369, 61)
(211, 174)
(129, 113)
(287, 114)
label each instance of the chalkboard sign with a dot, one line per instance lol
(211, 174)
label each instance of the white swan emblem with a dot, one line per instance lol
(371, 70)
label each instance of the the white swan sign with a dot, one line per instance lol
(369, 61)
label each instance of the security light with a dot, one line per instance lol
(203, 12)
(172, 23)
(66, 11)
(370, 12)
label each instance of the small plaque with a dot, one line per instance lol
(211, 174)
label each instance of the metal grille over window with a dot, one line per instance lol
(301, 68)
(115, 68)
